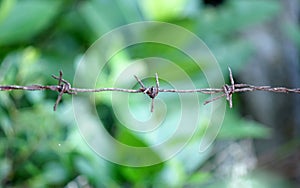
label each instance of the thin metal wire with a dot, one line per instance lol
(64, 87)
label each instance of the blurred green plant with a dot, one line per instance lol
(40, 148)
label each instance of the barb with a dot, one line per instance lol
(64, 87)
(152, 92)
(228, 90)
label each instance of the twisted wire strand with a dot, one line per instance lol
(64, 87)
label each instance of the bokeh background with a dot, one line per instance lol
(258, 145)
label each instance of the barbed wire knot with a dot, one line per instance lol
(63, 87)
(152, 91)
(229, 89)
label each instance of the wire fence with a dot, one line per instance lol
(64, 87)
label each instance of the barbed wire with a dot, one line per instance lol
(64, 87)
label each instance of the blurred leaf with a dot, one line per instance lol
(5, 124)
(54, 173)
(84, 166)
(172, 175)
(233, 54)
(245, 12)
(5, 7)
(126, 137)
(223, 26)
(130, 10)
(100, 17)
(236, 128)
(5, 168)
(198, 179)
(236, 16)
(172, 54)
(163, 10)
(141, 176)
(26, 19)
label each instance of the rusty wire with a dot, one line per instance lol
(64, 87)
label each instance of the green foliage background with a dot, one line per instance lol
(42, 148)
